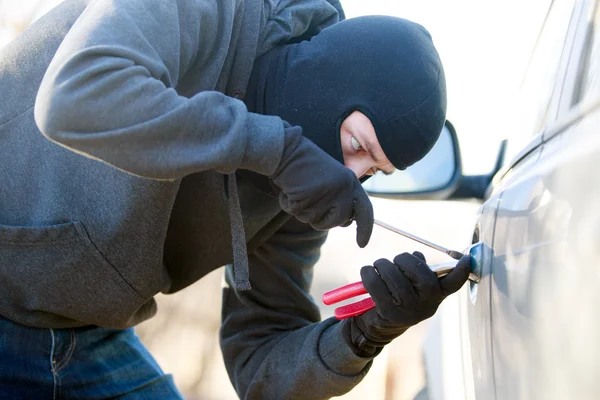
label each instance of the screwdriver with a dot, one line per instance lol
(457, 255)
(357, 288)
(475, 251)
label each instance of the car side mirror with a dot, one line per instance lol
(436, 176)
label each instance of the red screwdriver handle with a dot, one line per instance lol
(343, 293)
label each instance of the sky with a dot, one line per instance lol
(484, 46)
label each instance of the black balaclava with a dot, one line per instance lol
(385, 67)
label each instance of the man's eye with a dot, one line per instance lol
(355, 145)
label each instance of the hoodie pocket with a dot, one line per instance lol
(55, 276)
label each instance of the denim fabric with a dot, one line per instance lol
(80, 363)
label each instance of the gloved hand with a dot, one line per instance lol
(405, 293)
(319, 190)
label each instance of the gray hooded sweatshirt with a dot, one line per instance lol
(121, 128)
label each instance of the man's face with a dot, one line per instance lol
(360, 147)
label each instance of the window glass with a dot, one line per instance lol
(589, 81)
(538, 84)
(434, 172)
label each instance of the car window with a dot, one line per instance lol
(588, 88)
(539, 81)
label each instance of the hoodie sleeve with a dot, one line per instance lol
(110, 91)
(273, 342)
(339, 8)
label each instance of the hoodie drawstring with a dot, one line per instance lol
(238, 236)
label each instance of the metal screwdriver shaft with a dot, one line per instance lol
(452, 253)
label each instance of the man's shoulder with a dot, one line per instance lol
(289, 21)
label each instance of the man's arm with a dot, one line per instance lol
(273, 343)
(109, 92)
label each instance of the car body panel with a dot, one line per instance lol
(519, 236)
(536, 335)
(546, 280)
(476, 305)
(544, 329)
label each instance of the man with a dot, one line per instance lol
(147, 143)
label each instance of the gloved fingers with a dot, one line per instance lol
(385, 303)
(322, 221)
(309, 214)
(338, 214)
(347, 223)
(397, 283)
(418, 272)
(363, 215)
(372, 282)
(457, 277)
(419, 255)
(389, 288)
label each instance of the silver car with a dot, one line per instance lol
(530, 328)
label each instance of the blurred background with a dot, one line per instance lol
(484, 46)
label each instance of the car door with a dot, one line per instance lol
(544, 276)
(500, 221)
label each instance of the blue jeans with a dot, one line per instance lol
(79, 363)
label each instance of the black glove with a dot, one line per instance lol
(319, 190)
(405, 292)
